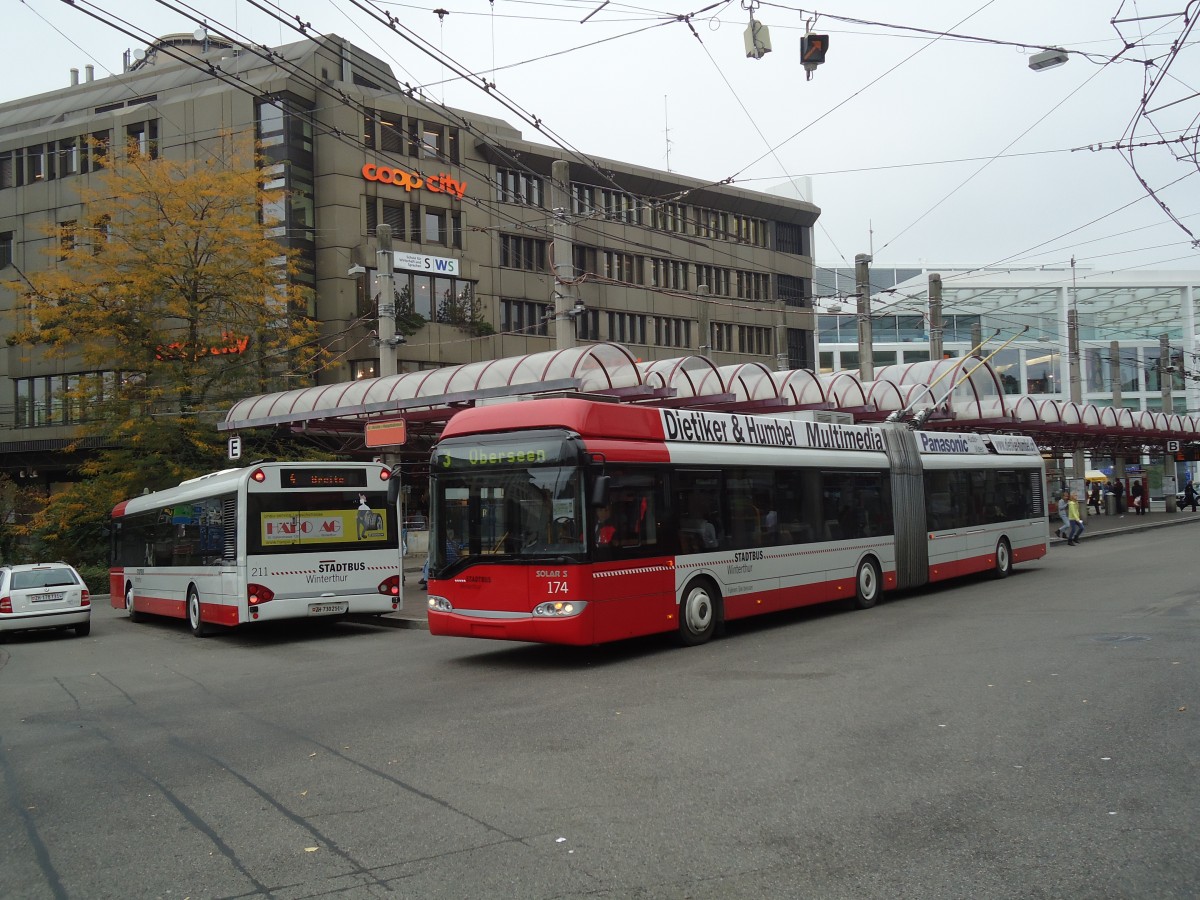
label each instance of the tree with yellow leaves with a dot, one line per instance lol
(170, 288)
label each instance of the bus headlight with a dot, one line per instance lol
(559, 609)
(440, 604)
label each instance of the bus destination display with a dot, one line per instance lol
(316, 478)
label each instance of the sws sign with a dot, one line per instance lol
(441, 183)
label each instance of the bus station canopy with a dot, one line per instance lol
(961, 394)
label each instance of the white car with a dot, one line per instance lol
(44, 595)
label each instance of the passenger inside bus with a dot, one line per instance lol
(697, 532)
(606, 528)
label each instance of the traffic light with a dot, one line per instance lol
(812, 52)
(813, 48)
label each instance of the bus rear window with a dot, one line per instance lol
(291, 522)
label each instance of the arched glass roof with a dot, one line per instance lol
(963, 393)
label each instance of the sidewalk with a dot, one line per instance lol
(1104, 526)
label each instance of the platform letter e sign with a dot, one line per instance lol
(235, 447)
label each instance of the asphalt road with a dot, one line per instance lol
(1034, 738)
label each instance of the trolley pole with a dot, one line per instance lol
(1114, 359)
(1079, 465)
(387, 302)
(1166, 375)
(862, 277)
(935, 316)
(704, 321)
(565, 303)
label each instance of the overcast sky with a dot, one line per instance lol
(921, 149)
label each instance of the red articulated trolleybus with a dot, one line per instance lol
(578, 522)
(272, 540)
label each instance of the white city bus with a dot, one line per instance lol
(270, 541)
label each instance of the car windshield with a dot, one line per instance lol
(43, 578)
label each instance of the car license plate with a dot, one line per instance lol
(327, 609)
(46, 598)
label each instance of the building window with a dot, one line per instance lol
(794, 291)
(66, 238)
(141, 139)
(722, 336)
(362, 368)
(519, 187)
(622, 267)
(414, 224)
(372, 215)
(435, 227)
(670, 217)
(369, 130)
(627, 328)
(439, 142)
(668, 273)
(10, 164)
(6, 249)
(101, 232)
(799, 350)
(584, 259)
(35, 163)
(99, 145)
(583, 199)
(790, 238)
(753, 285)
(68, 157)
(621, 207)
(672, 332)
(749, 230)
(392, 134)
(587, 325)
(59, 399)
(522, 253)
(715, 278)
(754, 340)
(524, 317)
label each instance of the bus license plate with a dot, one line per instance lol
(327, 609)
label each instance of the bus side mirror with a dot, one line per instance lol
(394, 488)
(600, 491)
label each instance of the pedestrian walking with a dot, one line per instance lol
(1077, 525)
(1190, 497)
(1139, 506)
(1118, 490)
(1064, 523)
(1094, 497)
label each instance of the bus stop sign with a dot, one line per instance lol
(385, 434)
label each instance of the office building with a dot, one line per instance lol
(665, 264)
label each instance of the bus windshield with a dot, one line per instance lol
(530, 512)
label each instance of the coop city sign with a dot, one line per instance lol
(442, 183)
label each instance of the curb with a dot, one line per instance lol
(390, 620)
(1127, 529)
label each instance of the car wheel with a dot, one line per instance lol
(199, 626)
(698, 613)
(83, 629)
(134, 615)
(868, 584)
(1003, 559)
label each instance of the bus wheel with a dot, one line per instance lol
(199, 627)
(1003, 559)
(867, 584)
(134, 615)
(698, 613)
